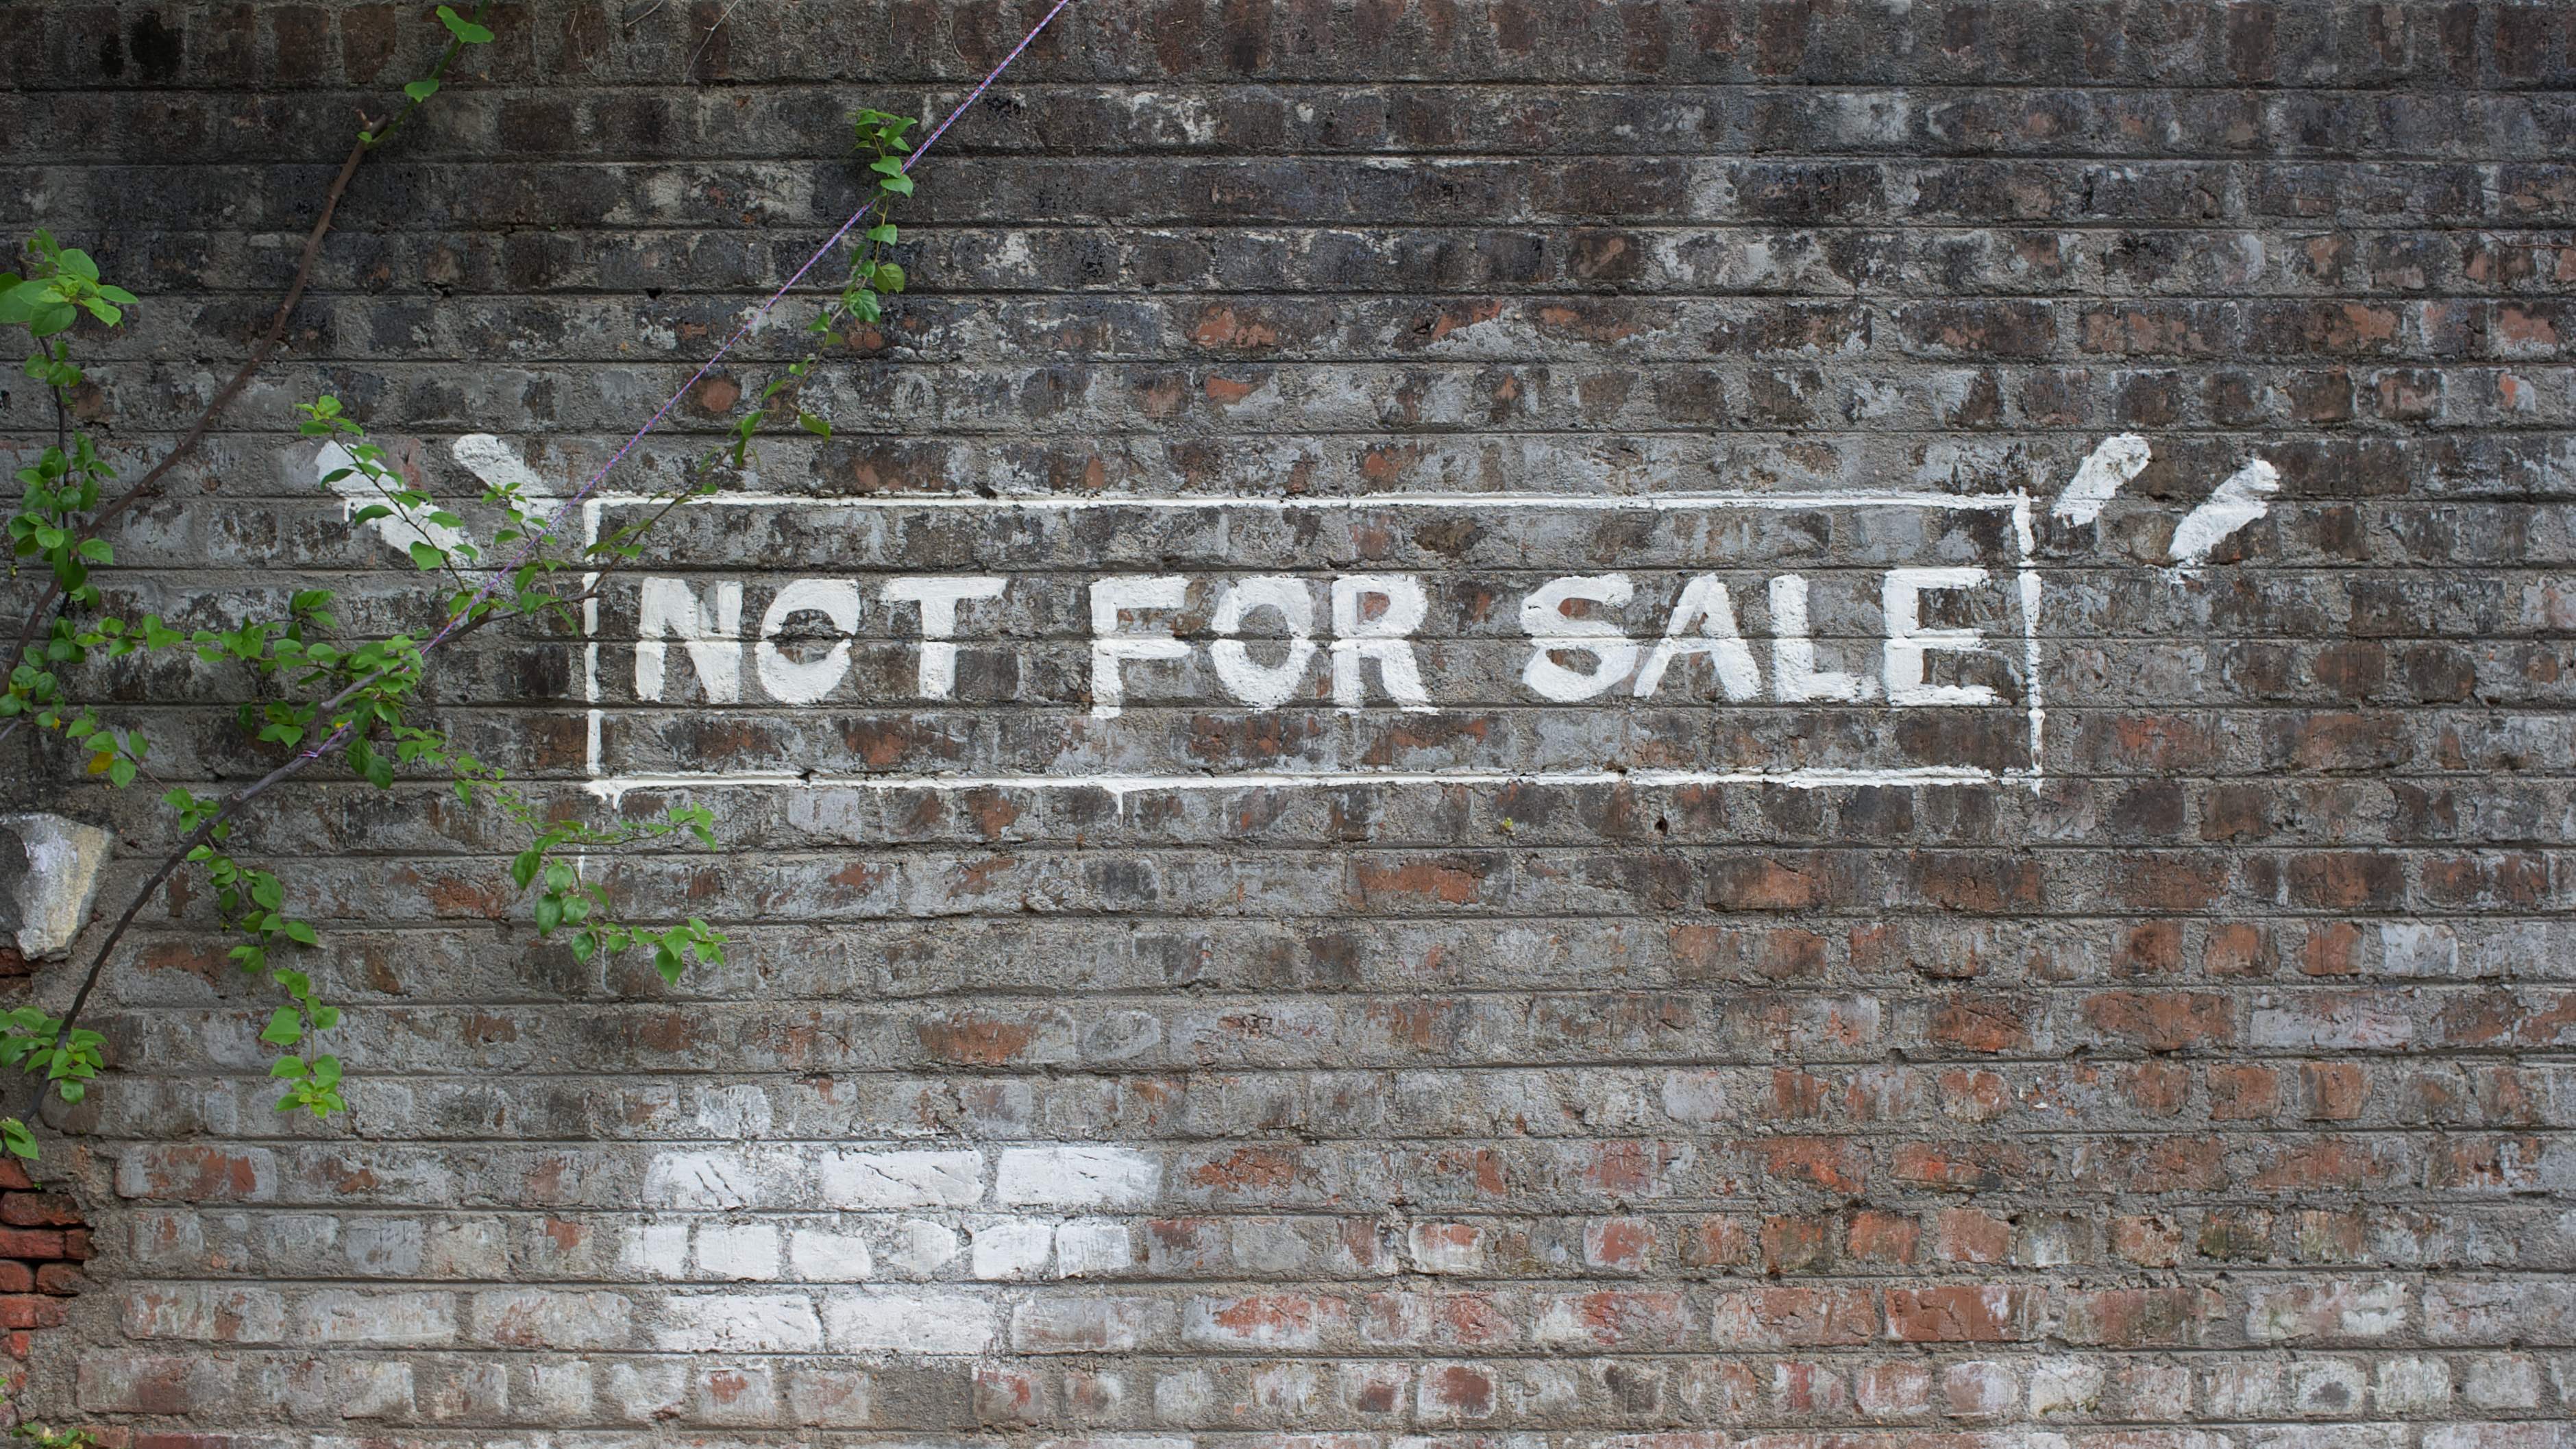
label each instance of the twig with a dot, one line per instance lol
(202, 834)
(709, 39)
(151, 482)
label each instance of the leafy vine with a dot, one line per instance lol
(316, 691)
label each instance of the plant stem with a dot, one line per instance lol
(150, 483)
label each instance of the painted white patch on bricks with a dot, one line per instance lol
(694, 1179)
(902, 1179)
(820, 1255)
(64, 858)
(656, 1250)
(1458, 1248)
(337, 471)
(2237, 502)
(378, 1318)
(740, 1323)
(743, 1251)
(1092, 1248)
(2418, 948)
(497, 464)
(2104, 472)
(905, 1322)
(1077, 1174)
(921, 1247)
(1012, 1248)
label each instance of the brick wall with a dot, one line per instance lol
(2167, 1049)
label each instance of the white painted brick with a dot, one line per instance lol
(822, 1256)
(699, 1180)
(2415, 948)
(379, 1320)
(921, 1247)
(743, 1251)
(656, 1250)
(1078, 1174)
(1092, 1247)
(1012, 1249)
(1447, 1247)
(909, 1322)
(741, 1323)
(909, 1179)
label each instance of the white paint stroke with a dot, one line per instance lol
(356, 491)
(613, 788)
(485, 456)
(2239, 501)
(2104, 471)
(1575, 502)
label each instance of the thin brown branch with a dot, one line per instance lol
(204, 833)
(150, 484)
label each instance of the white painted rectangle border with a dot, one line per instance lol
(2018, 504)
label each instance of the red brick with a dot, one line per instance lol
(39, 1210)
(29, 1310)
(40, 1244)
(1959, 1313)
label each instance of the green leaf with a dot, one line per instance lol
(463, 29)
(814, 425)
(421, 90)
(285, 1027)
(15, 1136)
(425, 556)
(288, 1067)
(302, 934)
(899, 185)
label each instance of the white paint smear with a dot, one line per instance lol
(2239, 501)
(485, 456)
(2104, 471)
(357, 491)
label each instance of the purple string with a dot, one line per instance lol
(563, 515)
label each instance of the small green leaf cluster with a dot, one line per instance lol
(45, 1438)
(874, 276)
(33, 1042)
(462, 31)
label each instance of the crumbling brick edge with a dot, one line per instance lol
(43, 1242)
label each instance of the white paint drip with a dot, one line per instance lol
(2104, 471)
(2239, 501)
